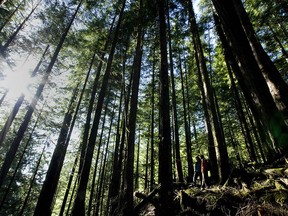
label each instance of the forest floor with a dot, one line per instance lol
(257, 191)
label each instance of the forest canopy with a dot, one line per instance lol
(105, 105)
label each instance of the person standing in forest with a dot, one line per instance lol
(204, 172)
(197, 172)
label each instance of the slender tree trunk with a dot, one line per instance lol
(11, 118)
(36, 69)
(101, 177)
(152, 166)
(45, 199)
(180, 177)
(20, 134)
(91, 198)
(72, 174)
(31, 184)
(10, 15)
(17, 105)
(136, 185)
(115, 195)
(8, 189)
(165, 157)
(128, 178)
(79, 205)
(3, 96)
(209, 104)
(284, 53)
(187, 128)
(93, 96)
(3, 48)
(115, 176)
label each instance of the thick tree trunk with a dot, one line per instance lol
(278, 87)
(45, 199)
(165, 157)
(251, 73)
(230, 61)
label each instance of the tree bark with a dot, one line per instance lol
(129, 166)
(49, 187)
(11, 118)
(165, 157)
(209, 104)
(20, 133)
(251, 73)
(180, 177)
(79, 204)
(3, 48)
(278, 87)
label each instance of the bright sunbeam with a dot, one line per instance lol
(17, 80)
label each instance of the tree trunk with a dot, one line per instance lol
(187, 128)
(180, 177)
(165, 157)
(11, 118)
(79, 204)
(92, 189)
(31, 184)
(104, 168)
(10, 15)
(49, 187)
(72, 174)
(92, 98)
(3, 96)
(11, 180)
(128, 178)
(20, 133)
(152, 168)
(209, 104)
(278, 87)
(3, 48)
(251, 73)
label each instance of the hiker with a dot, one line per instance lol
(197, 172)
(204, 171)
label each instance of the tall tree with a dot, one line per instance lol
(272, 118)
(4, 47)
(174, 109)
(128, 178)
(278, 87)
(45, 199)
(79, 204)
(11, 118)
(211, 117)
(165, 156)
(20, 133)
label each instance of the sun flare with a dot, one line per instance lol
(18, 80)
